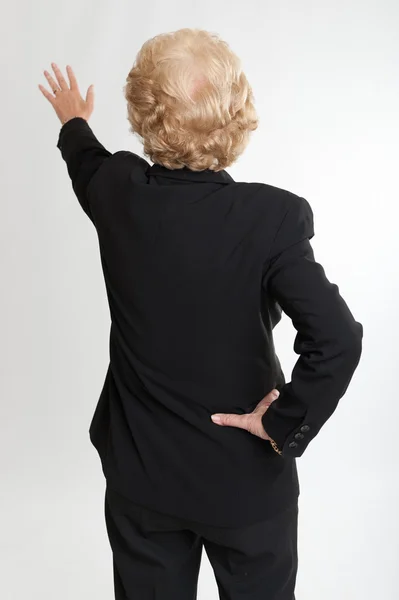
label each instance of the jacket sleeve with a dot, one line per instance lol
(328, 339)
(84, 155)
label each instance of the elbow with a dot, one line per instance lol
(352, 343)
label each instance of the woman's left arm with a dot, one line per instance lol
(80, 149)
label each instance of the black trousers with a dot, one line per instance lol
(157, 557)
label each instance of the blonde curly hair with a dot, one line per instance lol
(189, 101)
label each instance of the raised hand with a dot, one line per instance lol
(252, 422)
(66, 99)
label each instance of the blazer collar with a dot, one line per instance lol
(187, 174)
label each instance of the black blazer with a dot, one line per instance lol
(197, 269)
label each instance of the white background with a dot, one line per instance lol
(325, 80)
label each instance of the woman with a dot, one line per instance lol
(196, 428)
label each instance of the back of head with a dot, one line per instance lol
(189, 101)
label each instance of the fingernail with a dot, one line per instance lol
(276, 394)
(216, 418)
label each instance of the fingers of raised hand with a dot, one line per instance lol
(53, 84)
(60, 84)
(47, 94)
(60, 78)
(72, 78)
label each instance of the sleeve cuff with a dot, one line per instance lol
(290, 436)
(71, 124)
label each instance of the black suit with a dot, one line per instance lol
(197, 269)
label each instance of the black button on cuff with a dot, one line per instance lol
(305, 428)
(299, 436)
(292, 445)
